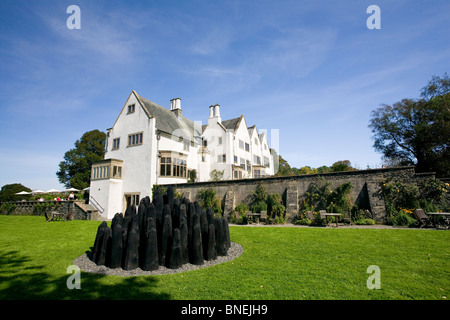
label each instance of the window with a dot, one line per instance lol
(247, 147)
(257, 174)
(101, 172)
(266, 162)
(235, 159)
(242, 163)
(204, 143)
(165, 166)
(132, 199)
(222, 158)
(249, 166)
(237, 174)
(241, 144)
(256, 141)
(117, 172)
(179, 168)
(131, 108)
(116, 144)
(107, 169)
(220, 141)
(172, 166)
(135, 139)
(257, 160)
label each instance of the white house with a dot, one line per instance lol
(149, 144)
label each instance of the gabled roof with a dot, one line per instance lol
(232, 124)
(166, 120)
(251, 130)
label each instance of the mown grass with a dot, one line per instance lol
(278, 263)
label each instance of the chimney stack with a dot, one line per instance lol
(214, 114)
(175, 107)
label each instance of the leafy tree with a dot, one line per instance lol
(8, 192)
(75, 170)
(216, 175)
(284, 169)
(416, 131)
(307, 170)
(342, 165)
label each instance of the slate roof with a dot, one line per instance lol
(231, 124)
(166, 120)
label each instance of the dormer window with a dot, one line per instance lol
(131, 108)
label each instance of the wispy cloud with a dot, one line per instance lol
(296, 52)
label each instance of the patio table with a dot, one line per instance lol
(251, 216)
(331, 214)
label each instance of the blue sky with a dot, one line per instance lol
(310, 69)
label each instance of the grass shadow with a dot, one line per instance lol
(20, 280)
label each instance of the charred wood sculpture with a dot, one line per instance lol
(163, 231)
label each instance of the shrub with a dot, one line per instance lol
(359, 213)
(324, 198)
(428, 195)
(274, 206)
(339, 199)
(7, 208)
(303, 221)
(208, 199)
(160, 188)
(402, 219)
(364, 222)
(259, 199)
(259, 206)
(241, 209)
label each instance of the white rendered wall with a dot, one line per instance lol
(139, 161)
(106, 192)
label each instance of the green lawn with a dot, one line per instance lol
(278, 263)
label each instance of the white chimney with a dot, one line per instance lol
(214, 114)
(217, 112)
(175, 106)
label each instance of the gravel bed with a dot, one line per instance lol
(87, 265)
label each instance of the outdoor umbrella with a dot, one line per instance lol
(22, 193)
(52, 191)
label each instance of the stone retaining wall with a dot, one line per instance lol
(64, 207)
(365, 192)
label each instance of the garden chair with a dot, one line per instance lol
(322, 214)
(347, 217)
(68, 216)
(420, 215)
(263, 214)
(311, 215)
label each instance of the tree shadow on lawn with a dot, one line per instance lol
(19, 279)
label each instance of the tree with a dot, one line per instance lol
(284, 169)
(342, 165)
(8, 192)
(75, 170)
(216, 175)
(416, 131)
